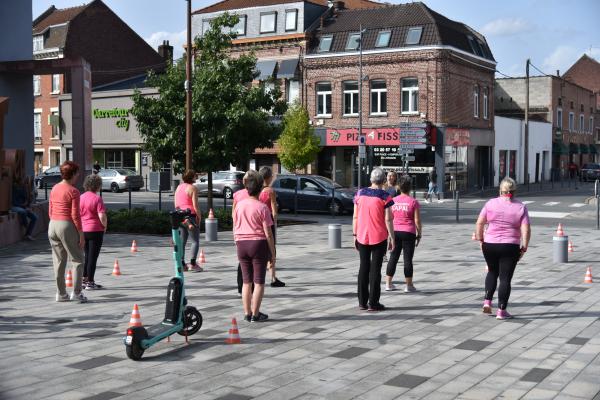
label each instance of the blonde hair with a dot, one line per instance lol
(508, 185)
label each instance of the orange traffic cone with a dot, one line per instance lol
(201, 257)
(136, 318)
(116, 269)
(570, 248)
(69, 279)
(473, 237)
(588, 276)
(134, 248)
(559, 230)
(211, 215)
(234, 334)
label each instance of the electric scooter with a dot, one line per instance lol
(179, 317)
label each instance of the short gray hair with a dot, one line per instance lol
(508, 185)
(92, 183)
(377, 176)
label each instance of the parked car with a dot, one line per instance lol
(49, 177)
(314, 194)
(590, 172)
(224, 183)
(119, 179)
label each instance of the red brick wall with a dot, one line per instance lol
(45, 101)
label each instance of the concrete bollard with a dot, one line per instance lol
(335, 236)
(560, 246)
(211, 228)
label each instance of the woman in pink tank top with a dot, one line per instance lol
(269, 198)
(186, 197)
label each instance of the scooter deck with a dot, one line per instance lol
(162, 330)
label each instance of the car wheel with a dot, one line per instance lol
(335, 207)
(114, 187)
(227, 193)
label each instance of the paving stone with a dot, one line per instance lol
(233, 396)
(350, 352)
(407, 381)
(94, 362)
(104, 396)
(578, 340)
(536, 375)
(475, 345)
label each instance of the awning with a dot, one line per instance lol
(593, 149)
(573, 148)
(287, 68)
(265, 69)
(583, 149)
(559, 148)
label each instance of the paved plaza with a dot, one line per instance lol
(433, 344)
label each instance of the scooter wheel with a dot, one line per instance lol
(192, 321)
(134, 351)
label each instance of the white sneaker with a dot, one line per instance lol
(410, 288)
(391, 287)
(62, 298)
(79, 297)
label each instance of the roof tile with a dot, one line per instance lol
(57, 17)
(227, 5)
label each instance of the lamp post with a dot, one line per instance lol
(188, 89)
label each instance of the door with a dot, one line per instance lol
(310, 195)
(537, 167)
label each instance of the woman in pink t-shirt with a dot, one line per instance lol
(504, 243)
(268, 196)
(374, 234)
(252, 223)
(407, 234)
(186, 197)
(94, 222)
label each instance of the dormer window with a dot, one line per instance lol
(268, 22)
(414, 35)
(291, 20)
(38, 43)
(353, 41)
(325, 43)
(383, 39)
(475, 46)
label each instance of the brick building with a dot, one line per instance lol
(95, 33)
(420, 71)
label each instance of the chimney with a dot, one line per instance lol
(165, 50)
(558, 73)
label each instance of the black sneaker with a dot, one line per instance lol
(260, 317)
(362, 307)
(376, 307)
(248, 317)
(93, 286)
(277, 283)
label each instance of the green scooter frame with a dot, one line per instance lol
(179, 317)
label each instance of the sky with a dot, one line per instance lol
(553, 34)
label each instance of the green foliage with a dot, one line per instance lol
(230, 117)
(299, 145)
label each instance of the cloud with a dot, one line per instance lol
(506, 27)
(561, 58)
(176, 39)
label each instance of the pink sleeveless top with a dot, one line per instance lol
(182, 199)
(264, 196)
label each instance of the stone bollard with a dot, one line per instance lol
(211, 227)
(560, 249)
(335, 236)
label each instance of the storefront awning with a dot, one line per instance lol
(287, 68)
(583, 149)
(593, 149)
(573, 148)
(265, 69)
(559, 148)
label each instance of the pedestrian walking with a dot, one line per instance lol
(255, 246)
(21, 204)
(268, 196)
(94, 223)
(186, 197)
(407, 235)
(374, 234)
(503, 244)
(432, 189)
(65, 232)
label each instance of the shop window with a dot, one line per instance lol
(410, 96)
(414, 35)
(268, 22)
(353, 41)
(350, 98)
(324, 99)
(476, 101)
(383, 39)
(291, 20)
(378, 98)
(325, 43)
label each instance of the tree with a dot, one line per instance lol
(230, 117)
(299, 145)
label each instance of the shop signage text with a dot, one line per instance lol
(374, 136)
(458, 137)
(121, 113)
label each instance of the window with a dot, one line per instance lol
(350, 98)
(571, 121)
(353, 41)
(54, 122)
(571, 105)
(325, 43)
(591, 127)
(38, 42)
(291, 20)
(307, 184)
(268, 22)
(581, 123)
(240, 27)
(383, 39)
(37, 126)
(581, 108)
(414, 35)
(293, 90)
(205, 25)
(475, 46)
(56, 83)
(486, 103)
(36, 85)
(476, 101)
(410, 96)
(378, 98)
(560, 101)
(324, 99)
(559, 118)
(288, 183)
(269, 87)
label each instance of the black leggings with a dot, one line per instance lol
(501, 259)
(404, 241)
(369, 273)
(93, 244)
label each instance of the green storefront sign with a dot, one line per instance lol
(121, 113)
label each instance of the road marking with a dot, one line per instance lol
(545, 214)
(474, 201)
(528, 201)
(577, 205)
(551, 203)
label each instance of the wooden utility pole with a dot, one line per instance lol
(188, 89)
(526, 160)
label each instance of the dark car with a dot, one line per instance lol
(224, 183)
(314, 194)
(49, 177)
(590, 172)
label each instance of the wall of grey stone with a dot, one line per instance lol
(540, 93)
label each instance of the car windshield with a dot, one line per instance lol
(326, 182)
(126, 172)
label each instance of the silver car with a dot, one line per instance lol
(225, 183)
(119, 179)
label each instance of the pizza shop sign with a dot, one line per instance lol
(121, 113)
(374, 136)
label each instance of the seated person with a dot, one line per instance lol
(21, 202)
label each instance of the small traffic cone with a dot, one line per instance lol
(201, 257)
(136, 318)
(134, 248)
(69, 279)
(211, 214)
(570, 248)
(473, 237)
(588, 276)
(116, 269)
(559, 231)
(234, 333)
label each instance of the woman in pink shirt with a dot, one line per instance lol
(252, 223)
(268, 196)
(94, 223)
(407, 234)
(65, 232)
(374, 234)
(503, 244)
(186, 197)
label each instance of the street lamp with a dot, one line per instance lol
(188, 89)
